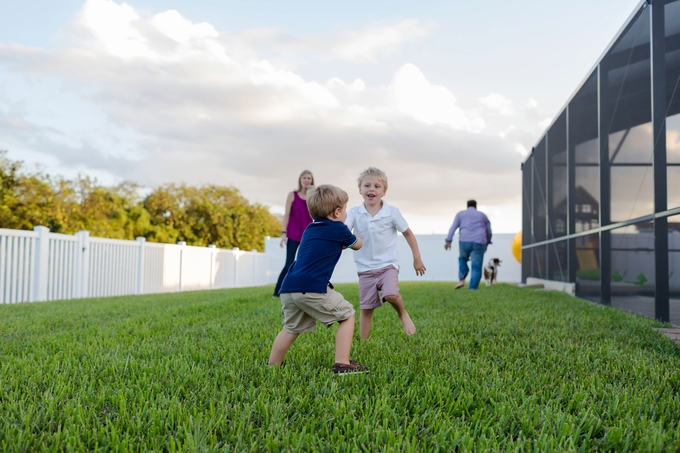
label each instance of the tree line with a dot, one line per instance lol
(201, 216)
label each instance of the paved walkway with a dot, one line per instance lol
(673, 334)
(644, 305)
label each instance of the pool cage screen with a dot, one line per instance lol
(601, 188)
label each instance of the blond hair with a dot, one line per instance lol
(304, 172)
(372, 171)
(322, 201)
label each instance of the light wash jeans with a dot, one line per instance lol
(474, 252)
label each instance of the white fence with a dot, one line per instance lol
(41, 266)
(441, 265)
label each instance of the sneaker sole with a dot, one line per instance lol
(351, 372)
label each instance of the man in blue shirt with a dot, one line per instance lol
(307, 294)
(475, 235)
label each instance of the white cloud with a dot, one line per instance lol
(201, 108)
(544, 123)
(521, 149)
(431, 104)
(498, 103)
(120, 31)
(368, 44)
(112, 25)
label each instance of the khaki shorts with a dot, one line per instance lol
(302, 310)
(384, 280)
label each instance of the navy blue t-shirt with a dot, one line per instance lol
(320, 249)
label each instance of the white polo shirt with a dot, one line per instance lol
(379, 236)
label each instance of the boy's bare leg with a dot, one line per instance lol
(343, 340)
(398, 304)
(365, 324)
(281, 345)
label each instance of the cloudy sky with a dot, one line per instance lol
(446, 96)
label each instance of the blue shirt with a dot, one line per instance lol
(320, 249)
(474, 227)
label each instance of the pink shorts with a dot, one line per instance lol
(370, 282)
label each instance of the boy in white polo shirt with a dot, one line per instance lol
(377, 223)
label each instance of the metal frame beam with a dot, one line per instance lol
(658, 79)
(604, 120)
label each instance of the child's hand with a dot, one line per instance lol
(419, 266)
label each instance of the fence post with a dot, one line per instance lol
(83, 266)
(140, 265)
(40, 263)
(213, 249)
(254, 260)
(182, 244)
(235, 254)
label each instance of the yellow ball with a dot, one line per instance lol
(517, 247)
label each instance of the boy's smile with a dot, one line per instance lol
(372, 190)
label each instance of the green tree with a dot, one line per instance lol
(26, 199)
(210, 214)
(200, 216)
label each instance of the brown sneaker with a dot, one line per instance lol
(354, 367)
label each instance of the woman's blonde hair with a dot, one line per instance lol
(304, 172)
(322, 201)
(372, 171)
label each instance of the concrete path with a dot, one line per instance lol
(673, 334)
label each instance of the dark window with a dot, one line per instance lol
(583, 140)
(588, 267)
(633, 277)
(625, 78)
(557, 176)
(539, 192)
(672, 25)
(674, 268)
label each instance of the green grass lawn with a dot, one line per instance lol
(503, 368)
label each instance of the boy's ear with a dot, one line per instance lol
(335, 214)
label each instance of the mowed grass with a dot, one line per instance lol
(503, 368)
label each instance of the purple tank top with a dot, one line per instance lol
(299, 218)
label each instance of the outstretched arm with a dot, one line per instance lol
(286, 218)
(413, 243)
(357, 245)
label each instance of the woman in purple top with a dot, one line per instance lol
(295, 220)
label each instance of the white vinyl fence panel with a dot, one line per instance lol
(158, 279)
(17, 262)
(40, 266)
(195, 268)
(62, 263)
(114, 267)
(225, 269)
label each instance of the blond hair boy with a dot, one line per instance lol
(377, 223)
(307, 294)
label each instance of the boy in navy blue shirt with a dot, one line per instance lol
(307, 294)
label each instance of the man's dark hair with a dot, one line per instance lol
(472, 203)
